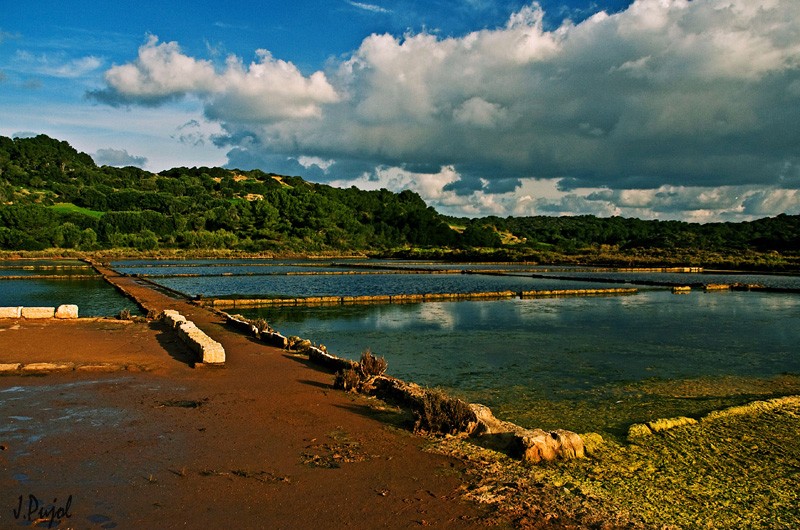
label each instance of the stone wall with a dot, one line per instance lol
(64, 312)
(207, 349)
(267, 336)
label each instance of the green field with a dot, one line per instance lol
(68, 207)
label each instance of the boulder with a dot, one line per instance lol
(67, 311)
(531, 445)
(537, 445)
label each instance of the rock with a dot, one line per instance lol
(67, 311)
(38, 312)
(323, 358)
(11, 312)
(538, 445)
(9, 367)
(488, 424)
(274, 338)
(532, 445)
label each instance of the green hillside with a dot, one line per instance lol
(52, 196)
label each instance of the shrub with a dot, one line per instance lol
(124, 314)
(348, 380)
(439, 413)
(371, 366)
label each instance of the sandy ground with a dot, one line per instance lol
(264, 442)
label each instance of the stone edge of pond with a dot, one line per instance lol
(472, 419)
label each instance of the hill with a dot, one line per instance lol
(52, 196)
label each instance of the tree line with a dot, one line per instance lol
(52, 196)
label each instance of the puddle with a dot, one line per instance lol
(41, 419)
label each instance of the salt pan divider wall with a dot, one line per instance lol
(207, 349)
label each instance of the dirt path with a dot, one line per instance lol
(262, 443)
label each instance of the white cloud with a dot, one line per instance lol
(308, 161)
(265, 90)
(369, 7)
(118, 157)
(58, 65)
(161, 70)
(660, 105)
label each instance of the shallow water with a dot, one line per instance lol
(579, 363)
(93, 296)
(362, 285)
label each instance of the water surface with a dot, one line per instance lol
(592, 363)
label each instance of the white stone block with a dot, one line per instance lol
(11, 312)
(213, 353)
(38, 312)
(67, 311)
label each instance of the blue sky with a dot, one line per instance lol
(665, 109)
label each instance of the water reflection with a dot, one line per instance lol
(581, 363)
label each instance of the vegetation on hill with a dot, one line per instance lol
(52, 196)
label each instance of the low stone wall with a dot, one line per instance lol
(207, 349)
(64, 311)
(407, 298)
(268, 336)
(53, 367)
(11, 312)
(529, 445)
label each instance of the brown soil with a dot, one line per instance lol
(264, 442)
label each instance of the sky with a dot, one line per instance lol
(656, 109)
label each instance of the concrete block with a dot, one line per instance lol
(38, 312)
(11, 312)
(213, 352)
(174, 318)
(67, 311)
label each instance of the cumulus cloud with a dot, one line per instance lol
(118, 157)
(264, 91)
(646, 110)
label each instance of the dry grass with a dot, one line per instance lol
(438, 413)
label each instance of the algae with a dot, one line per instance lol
(737, 468)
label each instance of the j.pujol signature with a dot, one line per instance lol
(34, 510)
